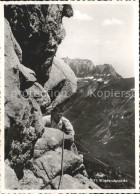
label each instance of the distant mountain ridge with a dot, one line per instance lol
(81, 67)
(85, 67)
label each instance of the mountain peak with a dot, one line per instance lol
(85, 67)
(106, 69)
(81, 67)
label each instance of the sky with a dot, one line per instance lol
(103, 34)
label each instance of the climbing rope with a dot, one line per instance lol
(60, 186)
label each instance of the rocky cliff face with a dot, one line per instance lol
(32, 152)
(38, 30)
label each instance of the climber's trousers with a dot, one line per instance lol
(70, 146)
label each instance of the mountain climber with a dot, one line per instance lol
(57, 121)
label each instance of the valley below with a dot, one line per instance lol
(104, 125)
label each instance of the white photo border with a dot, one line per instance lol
(134, 3)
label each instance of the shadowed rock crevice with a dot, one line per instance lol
(54, 92)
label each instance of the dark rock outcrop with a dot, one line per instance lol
(26, 76)
(39, 30)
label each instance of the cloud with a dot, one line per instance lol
(113, 21)
(81, 16)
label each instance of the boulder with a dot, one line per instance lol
(61, 86)
(50, 164)
(48, 187)
(30, 181)
(11, 180)
(26, 76)
(41, 96)
(68, 183)
(50, 140)
(89, 184)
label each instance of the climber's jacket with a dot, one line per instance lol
(64, 124)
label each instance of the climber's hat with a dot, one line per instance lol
(57, 110)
